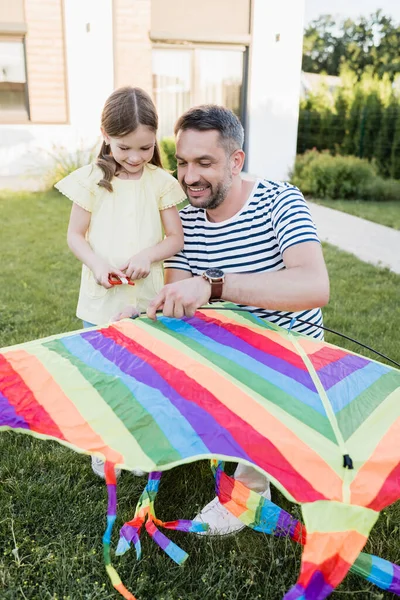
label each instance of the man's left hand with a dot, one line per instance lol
(181, 299)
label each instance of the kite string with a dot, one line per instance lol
(346, 337)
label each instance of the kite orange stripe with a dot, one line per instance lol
(372, 475)
(320, 546)
(47, 393)
(302, 458)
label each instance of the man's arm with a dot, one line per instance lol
(172, 275)
(303, 284)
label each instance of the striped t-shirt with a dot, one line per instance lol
(274, 218)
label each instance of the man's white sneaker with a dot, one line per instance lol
(98, 468)
(219, 520)
(138, 472)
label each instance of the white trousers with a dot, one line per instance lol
(251, 478)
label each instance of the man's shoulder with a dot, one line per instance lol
(273, 189)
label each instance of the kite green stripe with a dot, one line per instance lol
(125, 406)
(317, 442)
(363, 565)
(90, 405)
(255, 383)
(243, 317)
(351, 417)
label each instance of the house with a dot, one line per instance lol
(60, 59)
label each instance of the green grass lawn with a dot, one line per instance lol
(385, 213)
(52, 508)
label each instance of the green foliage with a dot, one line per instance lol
(386, 137)
(395, 155)
(52, 506)
(62, 162)
(360, 120)
(369, 43)
(167, 147)
(322, 175)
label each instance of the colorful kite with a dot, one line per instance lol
(321, 422)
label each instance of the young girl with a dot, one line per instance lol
(123, 205)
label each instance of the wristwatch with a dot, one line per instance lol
(216, 278)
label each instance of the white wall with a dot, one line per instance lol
(24, 149)
(274, 87)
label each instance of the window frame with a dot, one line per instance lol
(17, 117)
(193, 47)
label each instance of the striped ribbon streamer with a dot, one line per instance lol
(264, 516)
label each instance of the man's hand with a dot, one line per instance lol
(181, 299)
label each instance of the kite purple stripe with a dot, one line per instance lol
(286, 525)
(395, 584)
(317, 588)
(213, 436)
(9, 417)
(161, 539)
(222, 336)
(112, 500)
(340, 369)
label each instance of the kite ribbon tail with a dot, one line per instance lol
(111, 482)
(379, 571)
(264, 516)
(336, 534)
(145, 514)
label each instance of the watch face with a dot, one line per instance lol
(214, 273)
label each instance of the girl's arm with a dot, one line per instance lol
(139, 265)
(79, 222)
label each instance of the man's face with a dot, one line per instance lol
(204, 169)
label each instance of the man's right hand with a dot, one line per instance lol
(181, 299)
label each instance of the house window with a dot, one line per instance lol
(185, 77)
(13, 85)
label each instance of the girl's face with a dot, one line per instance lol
(134, 150)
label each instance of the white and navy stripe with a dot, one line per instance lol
(274, 218)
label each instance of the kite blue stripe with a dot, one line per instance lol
(382, 572)
(346, 390)
(151, 399)
(286, 384)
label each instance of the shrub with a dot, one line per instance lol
(346, 177)
(62, 162)
(167, 147)
(380, 189)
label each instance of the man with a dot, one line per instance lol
(251, 243)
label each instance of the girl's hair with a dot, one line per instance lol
(123, 112)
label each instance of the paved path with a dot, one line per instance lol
(372, 243)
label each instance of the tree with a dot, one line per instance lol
(395, 158)
(369, 43)
(386, 136)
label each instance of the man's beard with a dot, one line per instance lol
(217, 197)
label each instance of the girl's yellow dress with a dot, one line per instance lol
(123, 223)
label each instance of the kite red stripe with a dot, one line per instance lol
(333, 570)
(257, 341)
(326, 356)
(18, 394)
(389, 492)
(262, 451)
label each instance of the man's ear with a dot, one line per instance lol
(237, 160)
